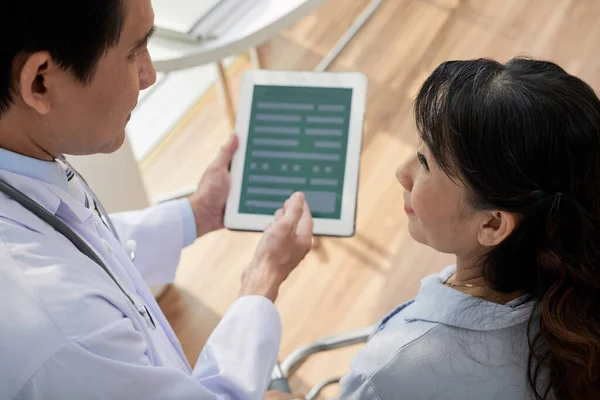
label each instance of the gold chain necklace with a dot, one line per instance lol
(468, 285)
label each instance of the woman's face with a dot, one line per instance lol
(439, 215)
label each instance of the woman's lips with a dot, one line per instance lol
(408, 210)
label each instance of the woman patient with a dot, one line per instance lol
(507, 178)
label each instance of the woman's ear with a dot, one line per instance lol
(496, 227)
(32, 82)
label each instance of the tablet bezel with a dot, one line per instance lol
(345, 226)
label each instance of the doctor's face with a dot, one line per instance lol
(91, 118)
(437, 208)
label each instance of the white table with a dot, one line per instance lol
(266, 19)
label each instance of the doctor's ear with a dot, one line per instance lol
(495, 227)
(32, 81)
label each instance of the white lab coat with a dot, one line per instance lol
(68, 332)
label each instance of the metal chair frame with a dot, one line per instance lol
(286, 368)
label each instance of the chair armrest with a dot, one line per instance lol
(297, 357)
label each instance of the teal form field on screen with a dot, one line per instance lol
(297, 141)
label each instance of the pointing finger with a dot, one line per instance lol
(293, 211)
(305, 224)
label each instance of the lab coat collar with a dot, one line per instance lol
(69, 206)
(45, 182)
(439, 303)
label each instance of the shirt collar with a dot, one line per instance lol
(46, 171)
(52, 194)
(439, 303)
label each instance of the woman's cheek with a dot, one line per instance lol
(419, 200)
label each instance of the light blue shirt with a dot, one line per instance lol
(52, 173)
(445, 345)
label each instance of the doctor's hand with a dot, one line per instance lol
(283, 246)
(208, 203)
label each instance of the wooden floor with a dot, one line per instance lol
(350, 283)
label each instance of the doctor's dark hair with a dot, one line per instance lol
(524, 137)
(75, 32)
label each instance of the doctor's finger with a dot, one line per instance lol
(287, 204)
(227, 151)
(293, 212)
(305, 225)
(278, 214)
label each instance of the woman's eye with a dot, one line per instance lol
(423, 161)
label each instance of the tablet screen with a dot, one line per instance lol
(297, 141)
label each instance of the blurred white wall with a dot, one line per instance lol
(115, 179)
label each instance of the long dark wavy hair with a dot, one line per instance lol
(524, 137)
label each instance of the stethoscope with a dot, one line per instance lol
(74, 238)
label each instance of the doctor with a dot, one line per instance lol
(70, 75)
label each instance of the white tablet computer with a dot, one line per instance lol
(299, 131)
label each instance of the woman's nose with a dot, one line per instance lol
(404, 174)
